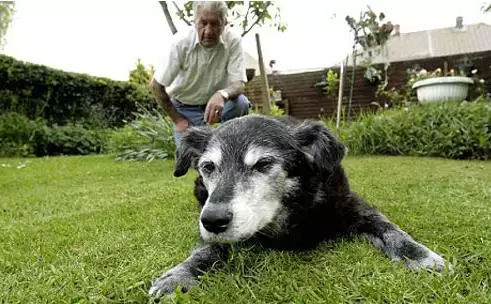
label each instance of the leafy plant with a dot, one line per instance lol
(122, 139)
(152, 137)
(140, 75)
(18, 134)
(7, 9)
(60, 97)
(332, 84)
(70, 139)
(276, 111)
(21, 136)
(450, 130)
(401, 96)
(373, 75)
(368, 30)
(371, 35)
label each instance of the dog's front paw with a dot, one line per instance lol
(431, 261)
(179, 276)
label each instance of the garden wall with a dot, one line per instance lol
(307, 101)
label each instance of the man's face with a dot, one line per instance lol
(210, 27)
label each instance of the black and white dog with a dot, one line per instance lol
(278, 182)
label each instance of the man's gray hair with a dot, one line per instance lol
(216, 6)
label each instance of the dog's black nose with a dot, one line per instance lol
(216, 219)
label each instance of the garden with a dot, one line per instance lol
(90, 210)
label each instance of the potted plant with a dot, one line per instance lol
(436, 87)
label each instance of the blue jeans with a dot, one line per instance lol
(196, 114)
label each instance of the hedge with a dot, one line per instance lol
(60, 97)
(455, 130)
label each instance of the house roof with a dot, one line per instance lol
(471, 38)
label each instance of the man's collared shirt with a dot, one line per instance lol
(192, 73)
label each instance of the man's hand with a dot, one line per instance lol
(181, 124)
(214, 108)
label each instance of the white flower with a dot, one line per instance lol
(481, 80)
(474, 71)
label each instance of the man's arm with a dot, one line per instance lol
(236, 79)
(164, 76)
(236, 70)
(235, 89)
(164, 101)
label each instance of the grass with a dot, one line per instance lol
(92, 230)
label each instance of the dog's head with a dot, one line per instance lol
(250, 166)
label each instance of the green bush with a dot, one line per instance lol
(18, 134)
(122, 139)
(148, 137)
(21, 136)
(451, 130)
(70, 139)
(60, 97)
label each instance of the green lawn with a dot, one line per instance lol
(92, 230)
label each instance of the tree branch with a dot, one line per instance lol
(170, 22)
(258, 18)
(181, 14)
(250, 28)
(246, 16)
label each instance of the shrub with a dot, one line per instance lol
(148, 137)
(60, 97)
(18, 134)
(122, 139)
(274, 111)
(451, 130)
(21, 136)
(70, 139)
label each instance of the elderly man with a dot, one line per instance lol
(202, 78)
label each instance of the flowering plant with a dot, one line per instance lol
(424, 74)
(478, 87)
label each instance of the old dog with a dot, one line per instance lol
(278, 182)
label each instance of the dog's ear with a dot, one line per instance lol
(193, 144)
(319, 144)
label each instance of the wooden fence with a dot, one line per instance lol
(307, 101)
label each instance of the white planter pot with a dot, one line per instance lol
(451, 88)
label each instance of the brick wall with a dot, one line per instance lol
(307, 101)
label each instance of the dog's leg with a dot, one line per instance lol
(397, 244)
(186, 273)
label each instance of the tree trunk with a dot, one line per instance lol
(170, 22)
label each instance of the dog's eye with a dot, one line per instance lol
(208, 167)
(263, 164)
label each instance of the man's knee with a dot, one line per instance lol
(243, 104)
(236, 108)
